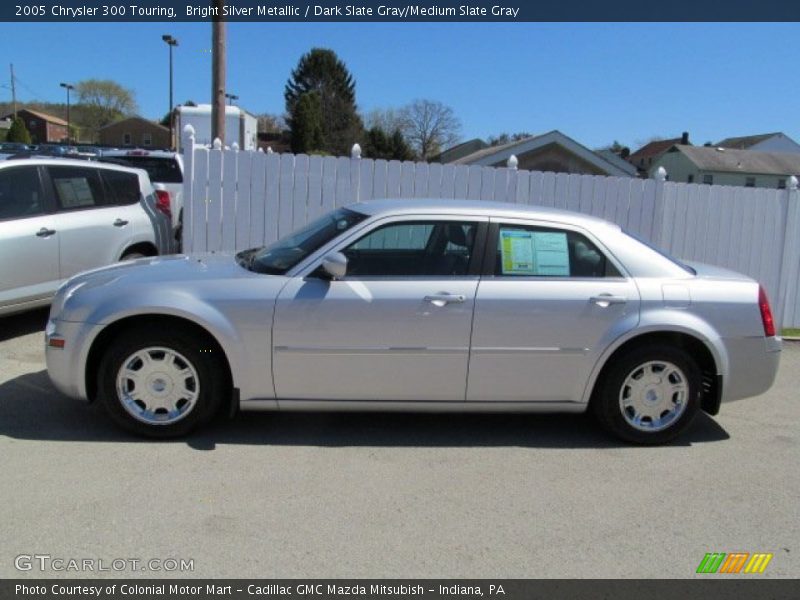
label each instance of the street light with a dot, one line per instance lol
(231, 98)
(67, 87)
(171, 42)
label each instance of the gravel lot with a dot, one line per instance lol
(326, 495)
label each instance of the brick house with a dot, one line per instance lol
(135, 132)
(44, 128)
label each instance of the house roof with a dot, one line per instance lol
(148, 121)
(460, 150)
(495, 154)
(654, 148)
(729, 160)
(43, 116)
(745, 141)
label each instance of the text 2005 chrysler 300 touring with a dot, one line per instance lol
(418, 305)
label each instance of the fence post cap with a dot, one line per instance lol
(270, 150)
(217, 144)
(792, 183)
(512, 162)
(260, 149)
(356, 151)
(235, 147)
(188, 131)
(661, 174)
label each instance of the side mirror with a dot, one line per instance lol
(335, 265)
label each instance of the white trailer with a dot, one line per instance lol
(240, 126)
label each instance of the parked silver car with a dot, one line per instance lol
(423, 306)
(59, 217)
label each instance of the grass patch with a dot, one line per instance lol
(790, 332)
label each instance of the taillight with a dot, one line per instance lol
(766, 313)
(162, 202)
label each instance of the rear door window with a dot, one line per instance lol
(77, 187)
(524, 251)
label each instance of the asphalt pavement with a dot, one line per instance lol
(381, 495)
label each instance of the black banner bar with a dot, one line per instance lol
(399, 10)
(389, 589)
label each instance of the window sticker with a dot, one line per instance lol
(552, 253)
(542, 253)
(74, 192)
(516, 248)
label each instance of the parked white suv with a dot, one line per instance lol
(166, 173)
(59, 217)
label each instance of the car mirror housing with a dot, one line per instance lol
(335, 265)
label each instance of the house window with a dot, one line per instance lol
(781, 184)
(750, 182)
(147, 139)
(32, 122)
(708, 179)
(126, 139)
(690, 179)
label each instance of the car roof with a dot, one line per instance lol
(484, 208)
(137, 153)
(70, 162)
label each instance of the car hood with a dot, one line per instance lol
(170, 282)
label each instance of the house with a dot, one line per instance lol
(460, 151)
(645, 156)
(135, 132)
(44, 128)
(724, 166)
(764, 142)
(551, 151)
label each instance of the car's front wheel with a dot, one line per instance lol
(649, 395)
(161, 383)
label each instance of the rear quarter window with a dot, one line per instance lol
(122, 188)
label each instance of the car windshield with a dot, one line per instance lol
(160, 169)
(279, 257)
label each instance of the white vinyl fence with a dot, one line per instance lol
(236, 200)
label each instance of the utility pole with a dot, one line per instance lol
(13, 92)
(218, 73)
(68, 87)
(171, 42)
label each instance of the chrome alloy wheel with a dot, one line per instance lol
(157, 386)
(654, 396)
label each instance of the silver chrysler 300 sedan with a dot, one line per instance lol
(422, 306)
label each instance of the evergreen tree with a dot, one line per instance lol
(389, 147)
(306, 124)
(18, 132)
(321, 71)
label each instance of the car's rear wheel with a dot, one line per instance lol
(649, 395)
(161, 383)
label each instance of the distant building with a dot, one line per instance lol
(460, 151)
(44, 128)
(648, 154)
(551, 151)
(724, 166)
(135, 132)
(764, 142)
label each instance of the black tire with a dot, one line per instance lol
(201, 356)
(607, 402)
(132, 255)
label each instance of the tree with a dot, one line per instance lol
(269, 123)
(430, 127)
(390, 147)
(505, 138)
(387, 119)
(321, 71)
(307, 132)
(102, 101)
(18, 132)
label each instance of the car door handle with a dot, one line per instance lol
(606, 300)
(444, 299)
(45, 232)
(120, 223)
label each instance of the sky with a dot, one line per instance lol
(595, 82)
